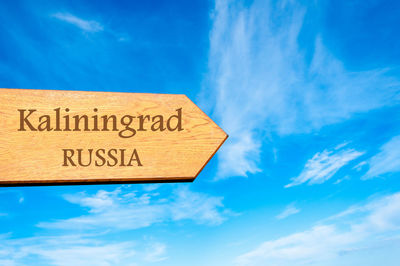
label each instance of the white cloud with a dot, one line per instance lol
(77, 250)
(340, 180)
(156, 252)
(124, 209)
(357, 228)
(85, 25)
(288, 211)
(260, 82)
(84, 240)
(359, 166)
(323, 166)
(386, 161)
(151, 187)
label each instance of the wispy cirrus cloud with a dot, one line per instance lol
(260, 81)
(123, 209)
(386, 161)
(288, 211)
(85, 25)
(324, 244)
(324, 165)
(126, 209)
(63, 250)
(156, 252)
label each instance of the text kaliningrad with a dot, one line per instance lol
(127, 126)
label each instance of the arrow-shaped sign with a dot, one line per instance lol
(70, 137)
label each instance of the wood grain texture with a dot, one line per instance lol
(33, 157)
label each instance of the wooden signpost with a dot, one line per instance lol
(69, 137)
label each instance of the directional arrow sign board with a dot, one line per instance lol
(69, 137)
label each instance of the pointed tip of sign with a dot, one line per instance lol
(212, 155)
(224, 138)
(201, 111)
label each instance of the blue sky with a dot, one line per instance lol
(308, 92)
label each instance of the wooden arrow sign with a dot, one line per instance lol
(70, 137)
